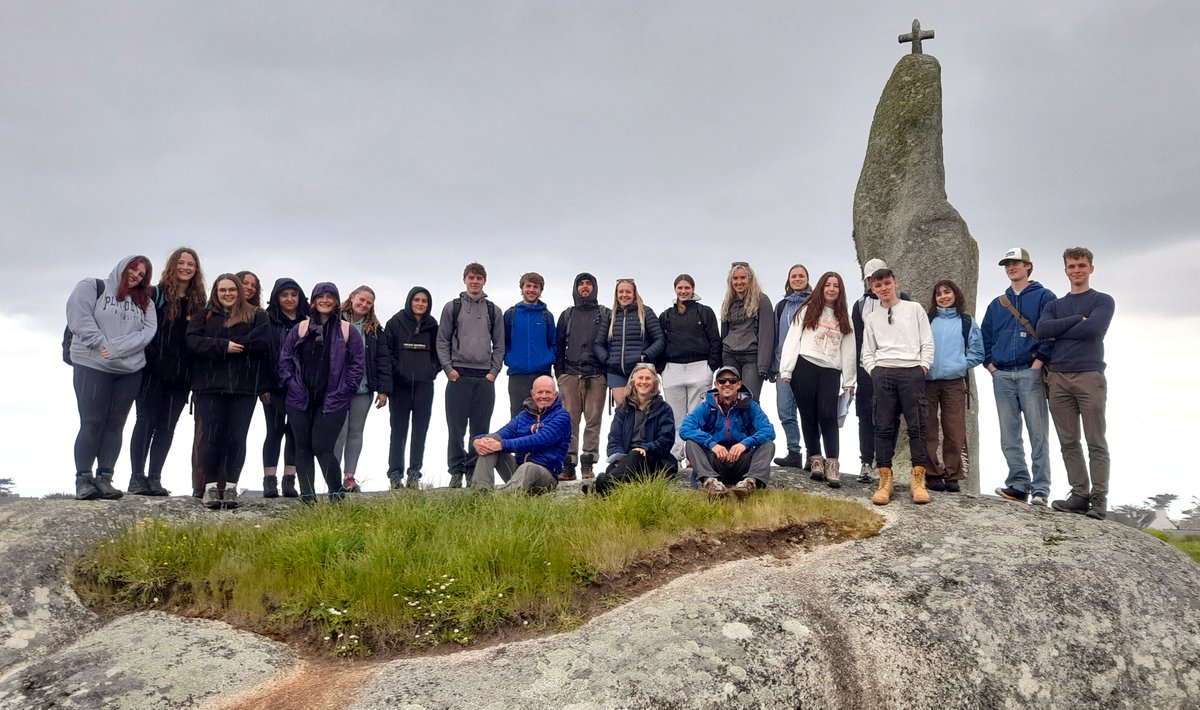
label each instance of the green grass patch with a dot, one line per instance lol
(1188, 543)
(413, 570)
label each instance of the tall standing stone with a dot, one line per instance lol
(901, 213)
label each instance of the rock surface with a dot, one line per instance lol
(901, 213)
(965, 603)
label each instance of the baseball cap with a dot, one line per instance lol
(1016, 254)
(872, 266)
(727, 369)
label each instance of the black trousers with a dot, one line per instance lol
(279, 432)
(816, 390)
(519, 387)
(469, 404)
(222, 422)
(632, 466)
(316, 437)
(900, 390)
(104, 400)
(159, 405)
(410, 402)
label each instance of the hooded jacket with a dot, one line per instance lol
(529, 339)
(746, 422)
(630, 343)
(469, 344)
(540, 437)
(575, 352)
(691, 336)
(784, 310)
(215, 370)
(757, 331)
(347, 365)
(657, 434)
(106, 323)
(1006, 343)
(280, 324)
(412, 343)
(952, 358)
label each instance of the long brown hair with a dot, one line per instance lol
(815, 305)
(168, 285)
(139, 294)
(257, 300)
(370, 322)
(242, 312)
(958, 298)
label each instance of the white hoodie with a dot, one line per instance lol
(827, 347)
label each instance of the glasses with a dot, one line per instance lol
(727, 380)
(889, 316)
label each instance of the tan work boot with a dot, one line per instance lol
(919, 494)
(833, 473)
(883, 494)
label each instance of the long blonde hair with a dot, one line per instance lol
(753, 292)
(637, 299)
(370, 322)
(633, 393)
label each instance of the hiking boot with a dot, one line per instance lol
(883, 494)
(85, 487)
(229, 499)
(864, 474)
(1012, 494)
(566, 475)
(107, 490)
(414, 478)
(744, 487)
(714, 488)
(794, 459)
(349, 485)
(833, 473)
(154, 483)
(395, 480)
(917, 491)
(197, 492)
(1038, 499)
(289, 486)
(1072, 504)
(270, 486)
(1098, 507)
(212, 497)
(138, 485)
(586, 463)
(456, 480)
(816, 466)
(951, 485)
(935, 483)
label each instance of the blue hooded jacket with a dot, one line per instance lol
(746, 422)
(1006, 343)
(540, 437)
(530, 339)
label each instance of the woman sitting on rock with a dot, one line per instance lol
(641, 435)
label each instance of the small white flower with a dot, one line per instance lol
(155, 600)
(455, 631)
(501, 594)
(326, 638)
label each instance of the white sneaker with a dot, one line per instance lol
(715, 489)
(1038, 500)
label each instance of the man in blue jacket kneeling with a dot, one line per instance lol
(728, 438)
(528, 451)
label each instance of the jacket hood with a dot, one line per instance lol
(273, 309)
(114, 278)
(325, 287)
(412, 293)
(580, 300)
(1033, 287)
(744, 395)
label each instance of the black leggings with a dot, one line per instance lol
(278, 432)
(159, 405)
(816, 390)
(316, 436)
(222, 421)
(630, 467)
(104, 400)
(411, 400)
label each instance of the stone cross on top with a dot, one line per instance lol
(916, 36)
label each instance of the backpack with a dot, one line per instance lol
(457, 309)
(547, 318)
(966, 333)
(68, 336)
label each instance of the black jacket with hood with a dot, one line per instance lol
(280, 324)
(215, 370)
(692, 335)
(412, 344)
(577, 326)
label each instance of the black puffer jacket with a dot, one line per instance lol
(630, 342)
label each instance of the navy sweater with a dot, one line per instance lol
(1077, 323)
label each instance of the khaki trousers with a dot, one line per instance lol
(1080, 397)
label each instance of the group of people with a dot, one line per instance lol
(685, 383)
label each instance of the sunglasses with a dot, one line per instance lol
(727, 380)
(736, 264)
(625, 281)
(889, 316)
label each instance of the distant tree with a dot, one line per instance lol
(1133, 510)
(1162, 501)
(6, 486)
(1191, 517)
(55, 496)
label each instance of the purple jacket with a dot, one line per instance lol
(347, 365)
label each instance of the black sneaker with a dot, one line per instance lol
(1071, 504)
(792, 460)
(951, 485)
(1098, 507)
(1013, 494)
(935, 483)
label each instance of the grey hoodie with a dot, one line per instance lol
(118, 326)
(468, 344)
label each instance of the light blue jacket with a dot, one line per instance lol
(952, 358)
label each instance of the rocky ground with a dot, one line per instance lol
(967, 602)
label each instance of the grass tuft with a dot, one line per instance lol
(1188, 543)
(414, 570)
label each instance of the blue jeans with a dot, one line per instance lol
(785, 403)
(1020, 392)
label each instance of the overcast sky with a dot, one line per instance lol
(390, 143)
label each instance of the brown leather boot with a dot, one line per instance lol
(919, 494)
(883, 494)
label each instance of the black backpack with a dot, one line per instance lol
(68, 336)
